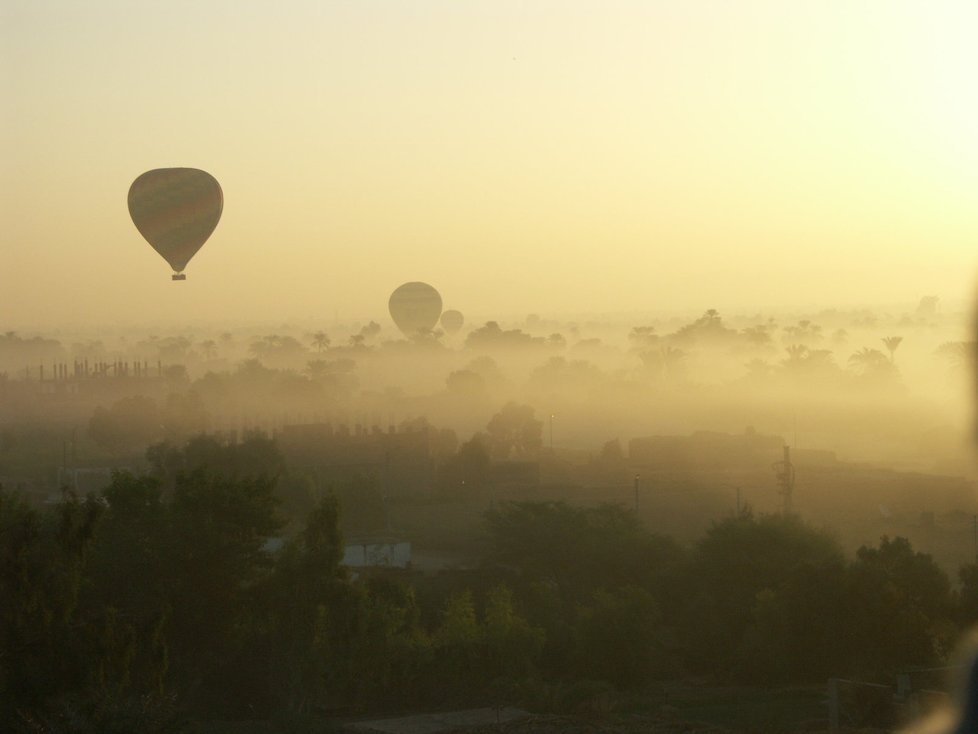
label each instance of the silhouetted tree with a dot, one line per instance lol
(469, 467)
(557, 341)
(758, 336)
(968, 594)
(667, 361)
(805, 332)
(643, 337)
(611, 452)
(957, 354)
(130, 425)
(466, 382)
(209, 348)
(277, 349)
(515, 431)
(491, 337)
(320, 340)
(927, 308)
(891, 343)
(708, 327)
(871, 363)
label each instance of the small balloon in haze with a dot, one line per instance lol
(415, 307)
(451, 321)
(176, 210)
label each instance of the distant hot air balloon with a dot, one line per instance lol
(451, 321)
(415, 307)
(176, 210)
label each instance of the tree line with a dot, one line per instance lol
(158, 602)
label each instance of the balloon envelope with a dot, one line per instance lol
(176, 210)
(415, 307)
(451, 321)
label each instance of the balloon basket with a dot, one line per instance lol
(178, 276)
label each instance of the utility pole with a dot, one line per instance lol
(551, 433)
(976, 537)
(738, 501)
(636, 494)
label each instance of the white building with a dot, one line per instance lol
(374, 552)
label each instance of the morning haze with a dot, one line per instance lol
(692, 147)
(533, 367)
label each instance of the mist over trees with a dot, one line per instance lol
(194, 570)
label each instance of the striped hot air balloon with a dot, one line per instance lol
(415, 308)
(451, 321)
(176, 210)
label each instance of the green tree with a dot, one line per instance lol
(577, 550)
(736, 560)
(129, 581)
(391, 653)
(512, 644)
(255, 456)
(899, 610)
(45, 644)
(618, 637)
(799, 631)
(306, 619)
(219, 524)
(968, 594)
(456, 642)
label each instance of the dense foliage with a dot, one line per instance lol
(159, 601)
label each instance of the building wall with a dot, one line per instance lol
(373, 554)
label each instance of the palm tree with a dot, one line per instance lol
(956, 353)
(320, 340)
(796, 355)
(891, 343)
(210, 348)
(868, 360)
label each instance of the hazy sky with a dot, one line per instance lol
(519, 156)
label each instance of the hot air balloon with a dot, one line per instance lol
(415, 307)
(451, 321)
(176, 210)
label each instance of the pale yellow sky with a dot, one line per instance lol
(519, 156)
